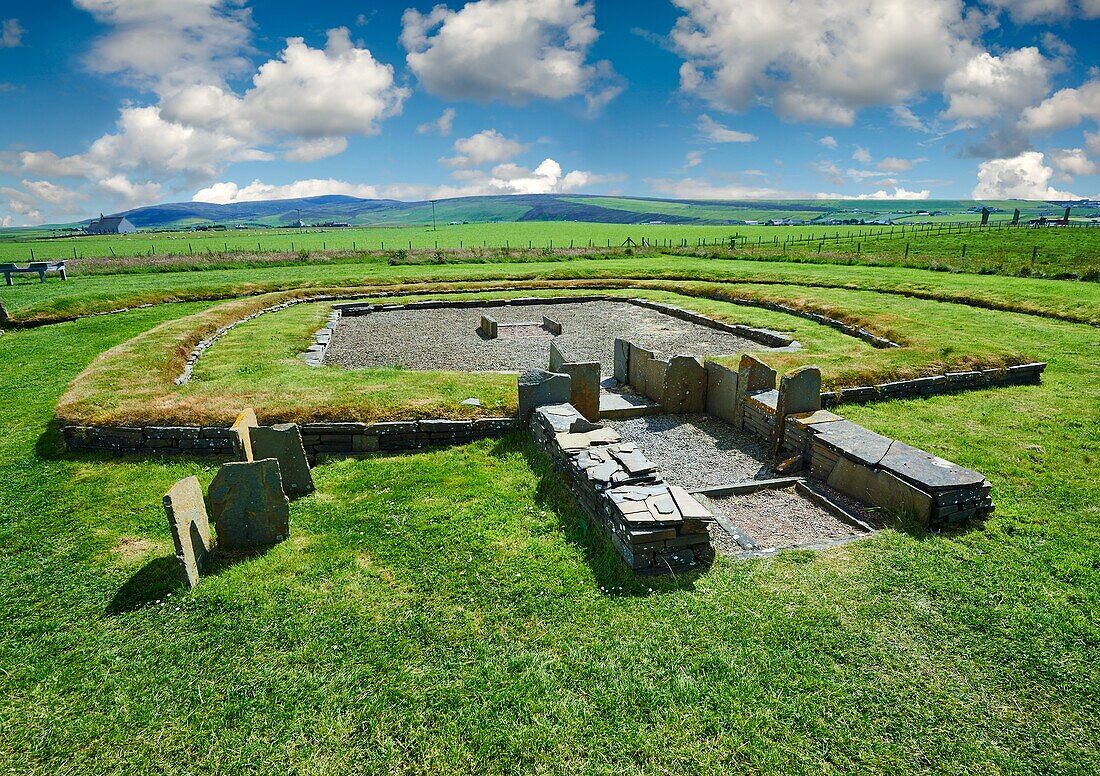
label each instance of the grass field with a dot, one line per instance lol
(450, 611)
(1053, 252)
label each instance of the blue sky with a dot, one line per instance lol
(110, 104)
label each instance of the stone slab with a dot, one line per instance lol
(537, 387)
(638, 363)
(248, 505)
(721, 391)
(656, 373)
(622, 361)
(688, 506)
(241, 433)
(881, 489)
(854, 441)
(926, 470)
(190, 526)
(811, 420)
(685, 388)
(283, 441)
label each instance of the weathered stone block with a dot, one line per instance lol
(538, 387)
(685, 386)
(721, 391)
(283, 442)
(622, 361)
(753, 375)
(638, 362)
(799, 391)
(656, 372)
(248, 505)
(190, 527)
(488, 327)
(242, 439)
(880, 488)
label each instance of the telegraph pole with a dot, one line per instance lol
(433, 215)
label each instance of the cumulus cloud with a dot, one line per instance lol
(441, 126)
(897, 193)
(1064, 108)
(165, 45)
(818, 60)
(11, 33)
(895, 164)
(1025, 176)
(122, 189)
(904, 116)
(693, 158)
(862, 155)
(828, 141)
(486, 147)
(988, 86)
(508, 50)
(1071, 162)
(228, 192)
(313, 149)
(711, 130)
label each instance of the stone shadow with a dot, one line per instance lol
(601, 556)
(160, 576)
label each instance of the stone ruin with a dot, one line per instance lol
(490, 328)
(249, 499)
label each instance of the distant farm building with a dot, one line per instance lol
(110, 225)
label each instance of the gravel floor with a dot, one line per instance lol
(447, 338)
(697, 451)
(781, 518)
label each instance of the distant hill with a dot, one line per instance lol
(546, 207)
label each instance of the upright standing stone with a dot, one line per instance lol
(488, 327)
(190, 526)
(248, 505)
(753, 376)
(799, 391)
(638, 367)
(721, 391)
(241, 434)
(584, 382)
(538, 387)
(622, 361)
(653, 384)
(685, 386)
(283, 442)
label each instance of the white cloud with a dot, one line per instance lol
(51, 193)
(486, 147)
(1027, 11)
(716, 133)
(894, 164)
(441, 126)
(990, 86)
(1092, 142)
(862, 155)
(1020, 177)
(819, 60)
(1064, 108)
(508, 50)
(897, 193)
(828, 141)
(227, 192)
(313, 149)
(122, 189)
(693, 159)
(904, 116)
(1072, 162)
(11, 33)
(168, 44)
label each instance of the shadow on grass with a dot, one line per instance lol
(601, 556)
(161, 576)
(49, 445)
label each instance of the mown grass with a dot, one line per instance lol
(1048, 252)
(31, 303)
(450, 611)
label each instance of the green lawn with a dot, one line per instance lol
(450, 611)
(996, 251)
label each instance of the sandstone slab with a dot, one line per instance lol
(283, 442)
(241, 433)
(248, 505)
(190, 526)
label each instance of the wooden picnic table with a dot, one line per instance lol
(39, 268)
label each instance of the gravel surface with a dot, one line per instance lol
(447, 338)
(697, 451)
(780, 517)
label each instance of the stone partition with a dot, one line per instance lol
(584, 380)
(657, 528)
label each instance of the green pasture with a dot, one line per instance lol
(452, 612)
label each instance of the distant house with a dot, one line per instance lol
(110, 225)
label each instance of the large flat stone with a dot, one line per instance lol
(721, 391)
(248, 505)
(537, 387)
(799, 391)
(881, 489)
(622, 361)
(926, 470)
(685, 386)
(854, 441)
(283, 442)
(638, 364)
(656, 372)
(241, 435)
(190, 526)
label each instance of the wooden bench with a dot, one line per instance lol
(39, 268)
